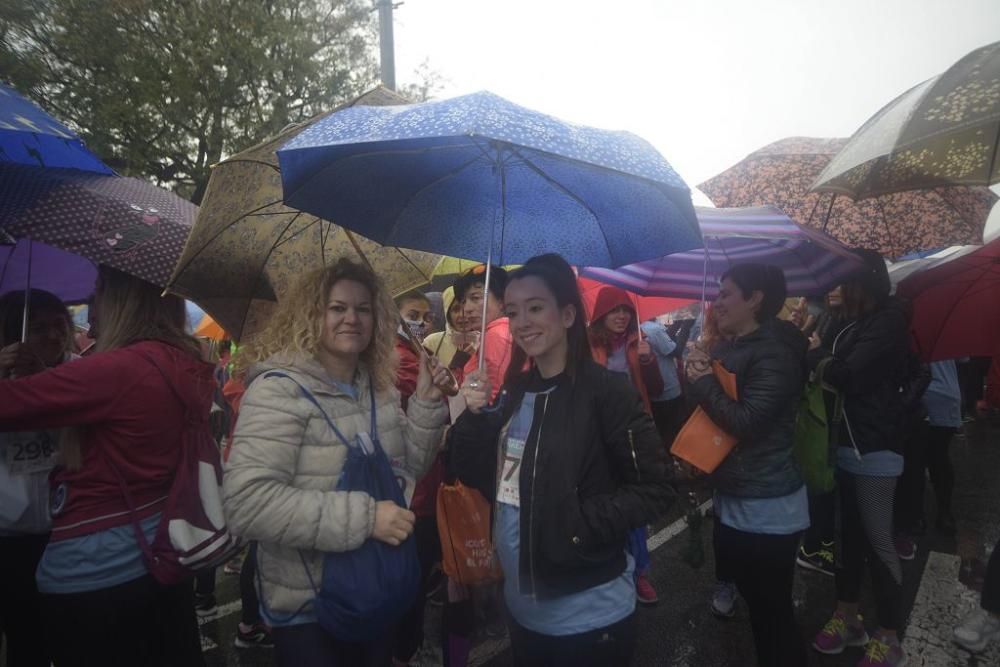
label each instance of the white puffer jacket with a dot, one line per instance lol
(285, 462)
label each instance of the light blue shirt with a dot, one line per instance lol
(882, 463)
(943, 399)
(782, 515)
(587, 610)
(663, 345)
(92, 562)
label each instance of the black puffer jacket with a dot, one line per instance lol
(869, 367)
(769, 365)
(598, 470)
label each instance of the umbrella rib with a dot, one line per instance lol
(282, 240)
(531, 165)
(180, 269)
(324, 236)
(977, 234)
(260, 274)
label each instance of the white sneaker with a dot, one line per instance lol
(977, 630)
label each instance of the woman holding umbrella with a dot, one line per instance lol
(761, 506)
(573, 463)
(24, 481)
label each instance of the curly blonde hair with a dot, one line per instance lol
(296, 326)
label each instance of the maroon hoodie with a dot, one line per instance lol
(129, 416)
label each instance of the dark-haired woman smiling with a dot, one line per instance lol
(573, 463)
(761, 507)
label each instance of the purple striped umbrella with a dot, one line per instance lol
(813, 262)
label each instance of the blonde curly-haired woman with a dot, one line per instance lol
(334, 337)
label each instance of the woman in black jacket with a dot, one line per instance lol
(868, 367)
(761, 506)
(572, 463)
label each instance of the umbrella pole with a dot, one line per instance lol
(27, 296)
(486, 299)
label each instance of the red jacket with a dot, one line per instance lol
(408, 371)
(645, 374)
(129, 416)
(496, 358)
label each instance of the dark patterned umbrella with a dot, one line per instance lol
(944, 131)
(782, 174)
(248, 248)
(125, 223)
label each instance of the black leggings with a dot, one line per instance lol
(309, 645)
(927, 449)
(763, 568)
(140, 622)
(611, 646)
(21, 621)
(866, 538)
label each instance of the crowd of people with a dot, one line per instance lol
(559, 419)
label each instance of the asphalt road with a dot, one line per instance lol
(939, 586)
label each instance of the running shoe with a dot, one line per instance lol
(724, 599)
(976, 630)
(906, 548)
(257, 634)
(883, 651)
(837, 635)
(644, 590)
(820, 560)
(204, 604)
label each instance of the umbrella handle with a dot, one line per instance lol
(486, 300)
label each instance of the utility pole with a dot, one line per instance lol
(387, 57)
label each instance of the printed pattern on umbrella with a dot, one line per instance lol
(247, 248)
(782, 174)
(121, 222)
(940, 132)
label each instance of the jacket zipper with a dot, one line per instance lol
(635, 461)
(531, 515)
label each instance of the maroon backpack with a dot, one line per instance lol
(192, 534)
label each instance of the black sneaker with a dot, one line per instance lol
(258, 635)
(204, 604)
(820, 560)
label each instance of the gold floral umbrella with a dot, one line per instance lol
(944, 131)
(247, 248)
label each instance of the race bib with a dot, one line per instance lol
(509, 491)
(30, 452)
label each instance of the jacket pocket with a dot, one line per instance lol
(566, 540)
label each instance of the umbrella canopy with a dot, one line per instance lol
(812, 262)
(782, 174)
(903, 269)
(125, 223)
(944, 131)
(68, 276)
(209, 328)
(247, 248)
(30, 136)
(477, 176)
(956, 305)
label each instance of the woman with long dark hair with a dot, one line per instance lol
(761, 506)
(867, 365)
(572, 462)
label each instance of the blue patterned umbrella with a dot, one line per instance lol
(477, 176)
(30, 136)
(813, 263)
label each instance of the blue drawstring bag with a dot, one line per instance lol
(365, 591)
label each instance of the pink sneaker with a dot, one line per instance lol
(838, 634)
(883, 651)
(645, 591)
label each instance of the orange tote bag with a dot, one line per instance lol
(463, 518)
(701, 442)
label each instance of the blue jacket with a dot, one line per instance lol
(663, 346)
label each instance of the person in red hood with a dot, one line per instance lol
(101, 606)
(416, 319)
(616, 343)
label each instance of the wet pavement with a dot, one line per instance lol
(939, 587)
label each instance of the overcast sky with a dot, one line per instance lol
(706, 81)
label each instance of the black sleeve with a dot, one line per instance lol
(472, 451)
(635, 449)
(773, 381)
(874, 355)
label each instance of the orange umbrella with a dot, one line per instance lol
(209, 328)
